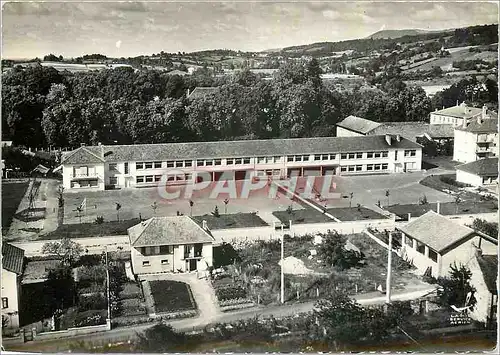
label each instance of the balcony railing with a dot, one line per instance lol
(84, 176)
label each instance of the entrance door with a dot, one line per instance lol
(192, 265)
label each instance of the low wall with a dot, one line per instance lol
(71, 332)
(241, 235)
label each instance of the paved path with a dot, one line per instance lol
(129, 333)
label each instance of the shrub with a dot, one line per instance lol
(96, 301)
(231, 292)
(90, 320)
(94, 273)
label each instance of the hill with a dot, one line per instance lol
(390, 34)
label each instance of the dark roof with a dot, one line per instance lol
(489, 125)
(481, 167)
(412, 130)
(436, 231)
(202, 92)
(358, 124)
(245, 148)
(460, 111)
(83, 155)
(12, 258)
(489, 269)
(167, 231)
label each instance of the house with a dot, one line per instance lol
(353, 126)
(124, 166)
(476, 140)
(479, 173)
(456, 115)
(433, 242)
(170, 244)
(12, 269)
(484, 278)
(356, 126)
(200, 92)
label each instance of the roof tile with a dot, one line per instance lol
(481, 167)
(12, 258)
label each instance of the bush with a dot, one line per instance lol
(90, 320)
(450, 181)
(96, 301)
(93, 273)
(231, 292)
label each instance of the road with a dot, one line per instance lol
(125, 334)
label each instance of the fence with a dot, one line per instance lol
(72, 332)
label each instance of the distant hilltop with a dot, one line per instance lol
(390, 34)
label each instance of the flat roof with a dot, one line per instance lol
(241, 148)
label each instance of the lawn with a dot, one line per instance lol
(448, 208)
(171, 296)
(91, 229)
(354, 214)
(447, 184)
(12, 194)
(307, 215)
(235, 220)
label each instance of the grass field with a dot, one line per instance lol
(91, 229)
(235, 220)
(448, 208)
(171, 296)
(12, 194)
(354, 214)
(302, 216)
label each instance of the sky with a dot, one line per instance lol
(123, 29)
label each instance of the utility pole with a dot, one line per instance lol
(389, 271)
(108, 320)
(282, 298)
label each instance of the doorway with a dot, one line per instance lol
(192, 265)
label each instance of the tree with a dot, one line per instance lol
(333, 252)
(67, 250)
(161, 338)
(226, 201)
(154, 206)
(457, 201)
(59, 289)
(454, 289)
(387, 194)
(191, 204)
(489, 228)
(216, 213)
(118, 207)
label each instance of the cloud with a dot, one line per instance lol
(118, 44)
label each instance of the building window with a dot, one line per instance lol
(229, 161)
(139, 166)
(359, 155)
(246, 160)
(145, 263)
(385, 154)
(157, 164)
(188, 163)
(289, 158)
(200, 163)
(126, 168)
(164, 262)
(148, 165)
(369, 167)
(410, 153)
(385, 166)
(238, 161)
(343, 156)
(149, 178)
(209, 162)
(5, 302)
(359, 167)
(332, 156)
(170, 164)
(377, 154)
(306, 157)
(409, 242)
(218, 161)
(377, 167)
(270, 160)
(113, 180)
(179, 164)
(351, 156)
(420, 247)
(261, 160)
(139, 179)
(157, 178)
(112, 166)
(277, 159)
(351, 168)
(93, 183)
(298, 158)
(433, 255)
(166, 249)
(317, 156)
(343, 168)
(369, 155)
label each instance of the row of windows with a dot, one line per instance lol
(410, 153)
(369, 167)
(147, 263)
(155, 178)
(351, 155)
(148, 165)
(157, 250)
(383, 154)
(420, 247)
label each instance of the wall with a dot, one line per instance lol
(71, 332)
(468, 178)
(342, 132)
(483, 296)
(464, 148)
(419, 260)
(11, 291)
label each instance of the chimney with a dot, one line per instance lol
(464, 105)
(464, 123)
(204, 224)
(398, 138)
(409, 217)
(484, 113)
(82, 144)
(438, 207)
(99, 144)
(388, 139)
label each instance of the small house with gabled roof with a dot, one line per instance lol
(12, 270)
(170, 244)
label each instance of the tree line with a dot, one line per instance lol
(42, 107)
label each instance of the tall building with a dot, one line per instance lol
(476, 139)
(456, 115)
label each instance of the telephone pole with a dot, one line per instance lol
(282, 295)
(389, 272)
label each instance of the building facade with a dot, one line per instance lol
(170, 244)
(479, 173)
(477, 139)
(432, 243)
(456, 115)
(126, 166)
(12, 269)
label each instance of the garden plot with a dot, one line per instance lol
(171, 296)
(231, 292)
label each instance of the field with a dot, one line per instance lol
(91, 229)
(12, 194)
(448, 208)
(236, 220)
(354, 214)
(171, 296)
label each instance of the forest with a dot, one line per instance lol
(42, 107)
